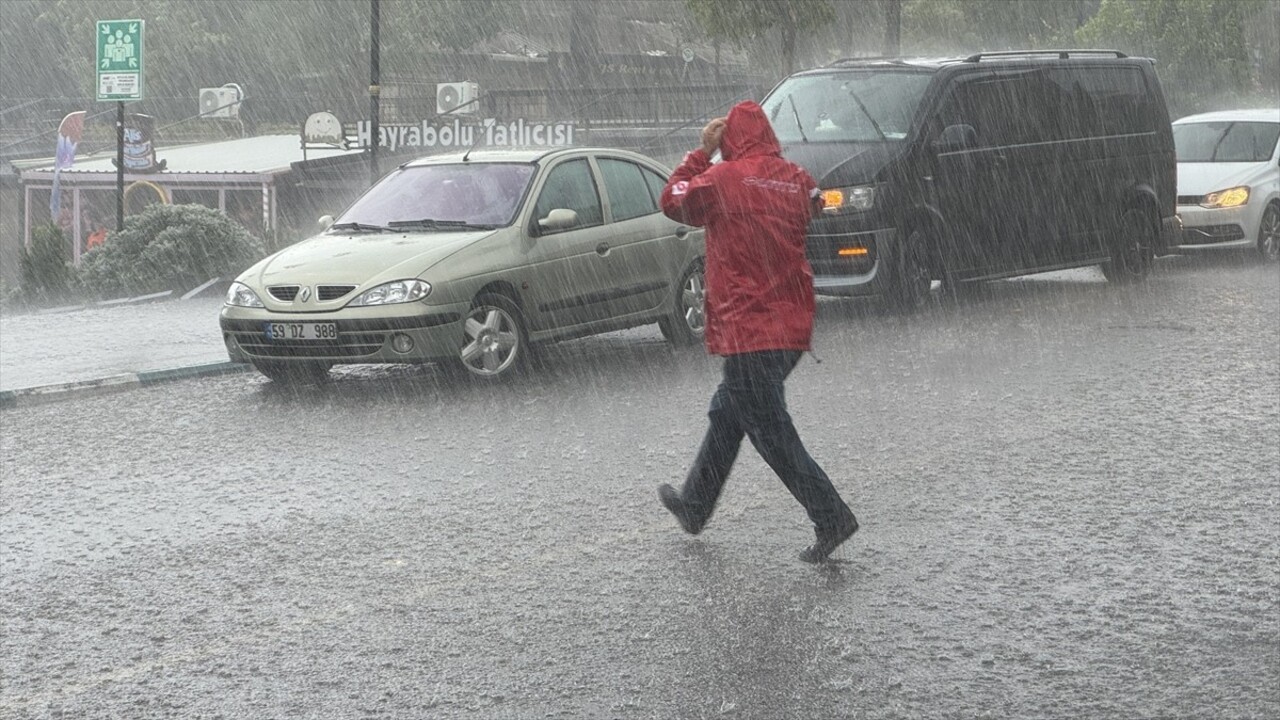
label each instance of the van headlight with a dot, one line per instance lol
(1229, 198)
(398, 291)
(848, 199)
(239, 295)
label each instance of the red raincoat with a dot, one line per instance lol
(755, 207)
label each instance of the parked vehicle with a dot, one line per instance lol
(1229, 180)
(472, 258)
(991, 166)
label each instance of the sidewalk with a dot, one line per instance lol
(100, 347)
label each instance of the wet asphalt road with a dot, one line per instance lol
(1068, 493)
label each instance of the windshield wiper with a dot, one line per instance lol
(796, 114)
(358, 227)
(866, 112)
(439, 224)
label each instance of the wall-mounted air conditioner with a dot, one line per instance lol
(455, 98)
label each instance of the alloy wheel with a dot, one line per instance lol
(1269, 234)
(693, 298)
(493, 341)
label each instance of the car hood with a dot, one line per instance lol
(1202, 178)
(841, 164)
(359, 259)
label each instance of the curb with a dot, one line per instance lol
(115, 383)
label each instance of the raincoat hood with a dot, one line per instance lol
(747, 133)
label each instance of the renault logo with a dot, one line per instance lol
(306, 294)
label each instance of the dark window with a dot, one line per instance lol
(569, 185)
(628, 195)
(1112, 100)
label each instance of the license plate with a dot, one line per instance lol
(301, 331)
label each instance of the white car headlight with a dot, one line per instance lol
(1229, 198)
(399, 291)
(240, 295)
(848, 199)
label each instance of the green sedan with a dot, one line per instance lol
(472, 259)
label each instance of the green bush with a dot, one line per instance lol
(47, 275)
(168, 247)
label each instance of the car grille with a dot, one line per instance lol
(283, 292)
(325, 293)
(348, 345)
(1204, 234)
(1190, 199)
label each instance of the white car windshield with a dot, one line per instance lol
(1225, 141)
(861, 106)
(456, 195)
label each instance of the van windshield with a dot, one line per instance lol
(1225, 141)
(846, 106)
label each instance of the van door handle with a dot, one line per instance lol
(682, 231)
(602, 249)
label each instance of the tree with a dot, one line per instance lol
(744, 20)
(1200, 45)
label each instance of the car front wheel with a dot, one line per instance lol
(1269, 234)
(687, 322)
(495, 343)
(1132, 252)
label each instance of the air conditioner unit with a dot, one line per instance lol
(455, 98)
(220, 102)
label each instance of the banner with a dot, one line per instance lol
(139, 145)
(489, 133)
(69, 133)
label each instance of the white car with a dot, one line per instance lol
(1229, 180)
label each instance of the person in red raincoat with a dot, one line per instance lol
(755, 207)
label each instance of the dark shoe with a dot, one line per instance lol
(671, 500)
(829, 540)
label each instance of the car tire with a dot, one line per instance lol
(687, 323)
(911, 282)
(1132, 251)
(298, 373)
(1269, 234)
(495, 343)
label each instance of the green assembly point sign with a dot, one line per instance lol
(119, 61)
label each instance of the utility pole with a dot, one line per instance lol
(375, 89)
(893, 27)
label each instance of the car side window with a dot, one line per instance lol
(628, 194)
(1010, 109)
(656, 183)
(570, 186)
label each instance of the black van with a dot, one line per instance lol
(991, 166)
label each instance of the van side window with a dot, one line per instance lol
(1010, 109)
(1115, 99)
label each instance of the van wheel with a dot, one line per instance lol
(911, 282)
(297, 373)
(1131, 253)
(687, 322)
(495, 342)
(1269, 234)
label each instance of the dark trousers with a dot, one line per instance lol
(750, 401)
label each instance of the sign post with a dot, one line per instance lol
(119, 69)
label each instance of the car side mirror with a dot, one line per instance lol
(558, 219)
(956, 137)
(325, 221)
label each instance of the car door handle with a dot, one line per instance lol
(602, 249)
(682, 231)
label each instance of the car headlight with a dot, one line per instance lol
(1229, 198)
(240, 295)
(848, 199)
(398, 291)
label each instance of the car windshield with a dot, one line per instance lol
(456, 195)
(1225, 141)
(861, 106)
